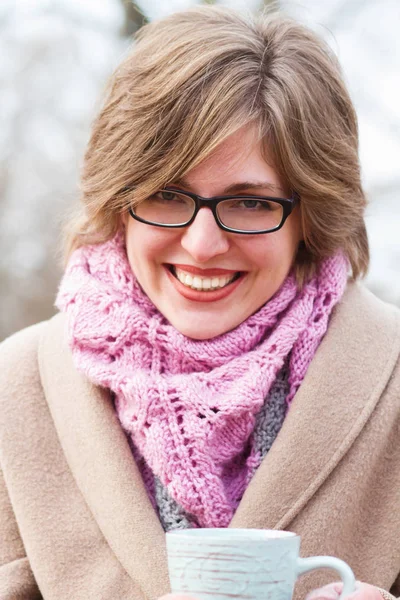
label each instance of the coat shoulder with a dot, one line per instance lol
(19, 371)
(362, 316)
(365, 305)
(378, 324)
(18, 353)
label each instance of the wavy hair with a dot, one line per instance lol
(192, 79)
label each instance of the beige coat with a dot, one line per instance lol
(75, 520)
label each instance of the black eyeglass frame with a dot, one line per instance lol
(287, 204)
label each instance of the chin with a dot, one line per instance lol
(200, 332)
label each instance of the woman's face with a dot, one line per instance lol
(214, 256)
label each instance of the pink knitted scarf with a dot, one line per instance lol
(189, 406)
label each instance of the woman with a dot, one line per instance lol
(214, 362)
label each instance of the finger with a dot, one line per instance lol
(332, 591)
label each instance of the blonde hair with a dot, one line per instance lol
(196, 77)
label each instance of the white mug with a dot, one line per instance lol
(248, 564)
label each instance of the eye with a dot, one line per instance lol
(166, 195)
(250, 203)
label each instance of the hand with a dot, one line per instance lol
(364, 591)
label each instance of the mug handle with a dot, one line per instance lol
(329, 562)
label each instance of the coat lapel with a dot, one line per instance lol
(101, 461)
(343, 384)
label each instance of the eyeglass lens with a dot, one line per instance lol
(245, 214)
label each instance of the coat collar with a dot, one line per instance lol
(101, 462)
(343, 384)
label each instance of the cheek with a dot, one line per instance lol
(271, 252)
(137, 245)
(147, 245)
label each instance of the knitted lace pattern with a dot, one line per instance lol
(190, 406)
(268, 424)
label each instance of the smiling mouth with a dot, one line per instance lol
(203, 284)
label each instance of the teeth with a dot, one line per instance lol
(197, 283)
(202, 283)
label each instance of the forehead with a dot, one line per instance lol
(241, 157)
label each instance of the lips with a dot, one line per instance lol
(203, 285)
(201, 282)
(203, 272)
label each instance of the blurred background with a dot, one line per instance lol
(56, 56)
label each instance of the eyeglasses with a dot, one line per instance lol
(171, 207)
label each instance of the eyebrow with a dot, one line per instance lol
(240, 186)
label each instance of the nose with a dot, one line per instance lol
(203, 239)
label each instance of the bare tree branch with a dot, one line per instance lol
(134, 18)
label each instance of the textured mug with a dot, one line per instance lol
(248, 564)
